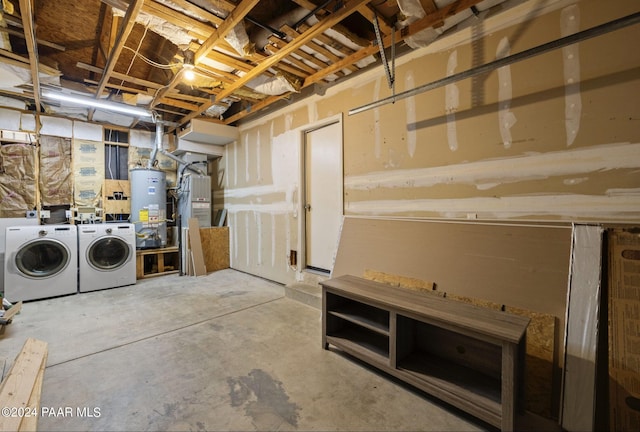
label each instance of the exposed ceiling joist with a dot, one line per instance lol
(26, 8)
(95, 46)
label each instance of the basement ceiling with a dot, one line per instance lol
(246, 55)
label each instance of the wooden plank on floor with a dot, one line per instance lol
(30, 423)
(196, 247)
(11, 313)
(17, 389)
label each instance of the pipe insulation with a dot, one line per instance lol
(599, 30)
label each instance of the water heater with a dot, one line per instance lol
(149, 207)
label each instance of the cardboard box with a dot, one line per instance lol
(624, 330)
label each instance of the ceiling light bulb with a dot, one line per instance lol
(189, 74)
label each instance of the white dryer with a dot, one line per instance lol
(40, 262)
(107, 255)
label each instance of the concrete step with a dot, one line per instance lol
(310, 295)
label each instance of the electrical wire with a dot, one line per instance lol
(151, 62)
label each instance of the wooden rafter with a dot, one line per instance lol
(428, 21)
(270, 61)
(234, 18)
(125, 29)
(26, 11)
(38, 41)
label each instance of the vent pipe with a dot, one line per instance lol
(157, 118)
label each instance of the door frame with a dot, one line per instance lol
(302, 228)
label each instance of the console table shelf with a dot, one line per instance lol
(468, 356)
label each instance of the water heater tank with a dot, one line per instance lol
(149, 207)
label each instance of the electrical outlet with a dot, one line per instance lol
(45, 214)
(31, 214)
(67, 214)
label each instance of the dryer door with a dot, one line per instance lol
(42, 258)
(108, 253)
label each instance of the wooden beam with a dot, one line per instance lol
(38, 41)
(331, 20)
(26, 10)
(212, 18)
(18, 60)
(125, 29)
(430, 7)
(315, 46)
(162, 92)
(234, 18)
(23, 380)
(369, 13)
(426, 22)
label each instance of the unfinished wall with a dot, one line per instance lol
(551, 138)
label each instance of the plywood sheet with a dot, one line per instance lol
(215, 246)
(117, 195)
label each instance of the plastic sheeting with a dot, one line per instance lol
(56, 181)
(17, 179)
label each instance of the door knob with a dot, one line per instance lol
(307, 207)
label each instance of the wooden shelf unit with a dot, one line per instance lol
(156, 262)
(465, 355)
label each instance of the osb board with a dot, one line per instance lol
(399, 281)
(215, 246)
(524, 267)
(624, 330)
(113, 188)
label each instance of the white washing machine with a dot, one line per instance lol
(40, 261)
(107, 255)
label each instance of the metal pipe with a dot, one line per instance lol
(158, 149)
(540, 49)
(276, 32)
(158, 140)
(313, 12)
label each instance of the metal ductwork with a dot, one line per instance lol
(159, 149)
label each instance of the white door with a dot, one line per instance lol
(323, 195)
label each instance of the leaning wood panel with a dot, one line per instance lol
(215, 246)
(22, 383)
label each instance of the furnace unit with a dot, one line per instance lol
(195, 199)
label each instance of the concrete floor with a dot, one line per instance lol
(226, 351)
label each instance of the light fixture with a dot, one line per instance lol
(189, 66)
(189, 74)
(95, 103)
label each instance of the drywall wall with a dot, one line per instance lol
(552, 138)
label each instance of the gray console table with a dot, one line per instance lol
(468, 356)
